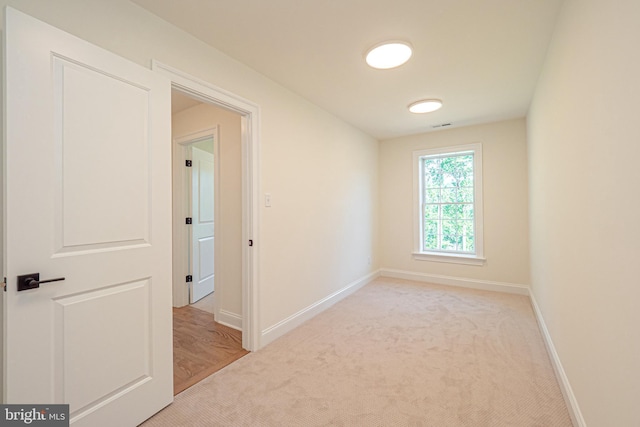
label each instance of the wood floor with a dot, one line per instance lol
(201, 346)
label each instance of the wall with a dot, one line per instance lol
(505, 203)
(229, 224)
(321, 172)
(583, 138)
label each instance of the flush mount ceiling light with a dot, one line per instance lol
(425, 106)
(389, 55)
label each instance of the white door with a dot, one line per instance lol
(88, 198)
(202, 237)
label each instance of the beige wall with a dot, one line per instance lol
(322, 227)
(321, 172)
(505, 202)
(584, 146)
(229, 224)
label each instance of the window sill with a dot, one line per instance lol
(450, 258)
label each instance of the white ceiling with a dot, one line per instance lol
(482, 58)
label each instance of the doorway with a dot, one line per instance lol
(207, 205)
(196, 205)
(249, 135)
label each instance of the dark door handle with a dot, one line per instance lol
(32, 281)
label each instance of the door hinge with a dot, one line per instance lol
(189, 220)
(250, 242)
(188, 163)
(189, 278)
(5, 284)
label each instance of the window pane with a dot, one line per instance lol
(432, 173)
(447, 246)
(431, 234)
(469, 243)
(449, 195)
(467, 181)
(467, 211)
(467, 226)
(449, 180)
(464, 167)
(465, 195)
(451, 226)
(431, 212)
(452, 211)
(450, 243)
(432, 195)
(457, 170)
(430, 227)
(468, 236)
(451, 232)
(431, 241)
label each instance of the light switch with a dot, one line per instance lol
(267, 200)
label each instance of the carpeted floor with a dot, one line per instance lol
(395, 353)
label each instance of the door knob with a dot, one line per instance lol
(32, 281)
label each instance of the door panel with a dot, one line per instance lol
(88, 198)
(204, 170)
(93, 147)
(202, 183)
(205, 248)
(85, 332)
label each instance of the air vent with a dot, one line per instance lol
(441, 125)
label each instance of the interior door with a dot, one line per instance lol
(202, 235)
(88, 199)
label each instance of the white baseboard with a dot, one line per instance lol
(437, 279)
(274, 332)
(565, 386)
(229, 319)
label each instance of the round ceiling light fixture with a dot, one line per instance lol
(425, 106)
(389, 55)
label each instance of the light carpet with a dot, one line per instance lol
(395, 353)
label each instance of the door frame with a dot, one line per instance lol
(250, 132)
(182, 206)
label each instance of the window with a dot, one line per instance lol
(448, 204)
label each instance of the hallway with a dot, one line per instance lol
(201, 346)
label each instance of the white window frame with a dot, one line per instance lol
(443, 256)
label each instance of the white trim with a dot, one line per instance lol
(274, 332)
(418, 238)
(194, 137)
(250, 123)
(511, 288)
(232, 320)
(450, 258)
(569, 397)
